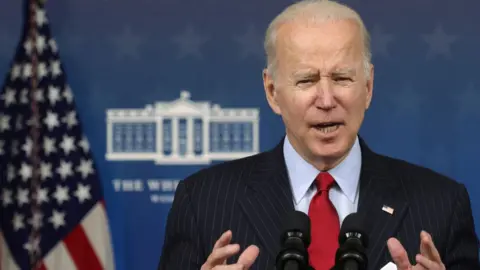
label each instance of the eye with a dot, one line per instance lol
(304, 81)
(343, 79)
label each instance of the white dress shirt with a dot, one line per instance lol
(344, 195)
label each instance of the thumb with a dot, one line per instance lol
(399, 254)
(248, 257)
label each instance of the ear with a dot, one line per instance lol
(271, 91)
(369, 87)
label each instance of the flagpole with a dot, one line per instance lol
(32, 34)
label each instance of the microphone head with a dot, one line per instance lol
(296, 223)
(353, 226)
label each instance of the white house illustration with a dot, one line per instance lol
(182, 132)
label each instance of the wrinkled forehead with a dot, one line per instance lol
(324, 45)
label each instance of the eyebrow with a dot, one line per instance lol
(346, 70)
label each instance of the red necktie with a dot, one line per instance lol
(325, 225)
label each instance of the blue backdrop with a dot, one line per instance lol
(127, 54)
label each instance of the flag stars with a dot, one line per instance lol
(84, 144)
(250, 42)
(16, 72)
(49, 146)
(9, 97)
(4, 122)
(68, 95)
(22, 196)
(32, 246)
(65, 169)
(45, 171)
(40, 17)
(2, 144)
(70, 119)
(25, 171)
(24, 96)
(68, 144)
(55, 69)
(18, 222)
(83, 193)
(61, 194)
(53, 94)
(53, 45)
(27, 146)
(57, 219)
(28, 47)
(10, 172)
(6, 197)
(27, 71)
(51, 120)
(41, 44)
(39, 95)
(42, 70)
(85, 168)
(42, 195)
(36, 220)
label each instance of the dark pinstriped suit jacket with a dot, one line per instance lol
(251, 196)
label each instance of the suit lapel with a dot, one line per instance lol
(382, 203)
(268, 199)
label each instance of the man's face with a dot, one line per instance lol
(320, 88)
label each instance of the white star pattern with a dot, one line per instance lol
(83, 193)
(37, 220)
(55, 69)
(16, 72)
(27, 146)
(45, 171)
(17, 221)
(39, 96)
(65, 169)
(127, 44)
(41, 18)
(2, 144)
(27, 71)
(61, 194)
(407, 101)
(53, 94)
(57, 219)
(68, 95)
(4, 122)
(42, 196)
(439, 42)
(85, 168)
(6, 197)
(251, 43)
(380, 41)
(70, 119)
(41, 44)
(51, 120)
(67, 144)
(10, 172)
(24, 97)
(9, 97)
(49, 146)
(42, 70)
(28, 47)
(84, 145)
(25, 171)
(189, 43)
(22, 196)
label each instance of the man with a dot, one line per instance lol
(319, 79)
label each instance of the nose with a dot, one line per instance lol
(325, 98)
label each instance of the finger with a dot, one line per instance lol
(426, 263)
(220, 255)
(399, 254)
(224, 239)
(428, 247)
(230, 267)
(249, 256)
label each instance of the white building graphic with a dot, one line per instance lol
(182, 132)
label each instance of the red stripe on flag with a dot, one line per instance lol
(42, 267)
(81, 251)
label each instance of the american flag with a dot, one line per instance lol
(51, 203)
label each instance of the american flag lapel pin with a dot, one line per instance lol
(388, 209)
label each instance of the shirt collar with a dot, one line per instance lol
(302, 174)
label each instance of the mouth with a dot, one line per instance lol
(328, 127)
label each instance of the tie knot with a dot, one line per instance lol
(324, 181)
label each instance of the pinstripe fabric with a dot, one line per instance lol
(250, 196)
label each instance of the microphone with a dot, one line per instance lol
(294, 242)
(353, 242)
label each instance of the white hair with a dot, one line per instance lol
(316, 11)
